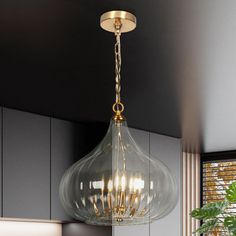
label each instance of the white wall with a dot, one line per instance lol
(168, 150)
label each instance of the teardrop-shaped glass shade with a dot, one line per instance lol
(117, 183)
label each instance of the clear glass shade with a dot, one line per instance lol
(117, 183)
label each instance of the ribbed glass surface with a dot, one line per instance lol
(117, 183)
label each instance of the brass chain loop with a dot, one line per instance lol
(118, 107)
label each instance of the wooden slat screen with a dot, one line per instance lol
(190, 191)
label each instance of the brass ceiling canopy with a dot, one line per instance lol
(126, 19)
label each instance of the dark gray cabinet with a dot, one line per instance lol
(85, 230)
(35, 151)
(63, 146)
(26, 165)
(35, 154)
(68, 145)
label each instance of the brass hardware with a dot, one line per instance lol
(117, 51)
(118, 118)
(109, 19)
(118, 108)
(118, 22)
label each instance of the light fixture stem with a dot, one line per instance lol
(118, 107)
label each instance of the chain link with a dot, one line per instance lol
(118, 66)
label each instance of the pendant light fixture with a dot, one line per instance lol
(117, 183)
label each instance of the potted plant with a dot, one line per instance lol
(217, 215)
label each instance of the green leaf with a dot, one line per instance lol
(231, 193)
(198, 214)
(230, 223)
(207, 226)
(209, 211)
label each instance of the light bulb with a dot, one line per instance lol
(110, 185)
(123, 183)
(117, 183)
(131, 184)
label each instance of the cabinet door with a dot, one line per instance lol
(75, 229)
(62, 156)
(168, 150)
(26, 165)
(69, 142)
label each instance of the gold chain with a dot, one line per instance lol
(118, 67)
(118, 107)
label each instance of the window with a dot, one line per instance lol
(218, 172)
